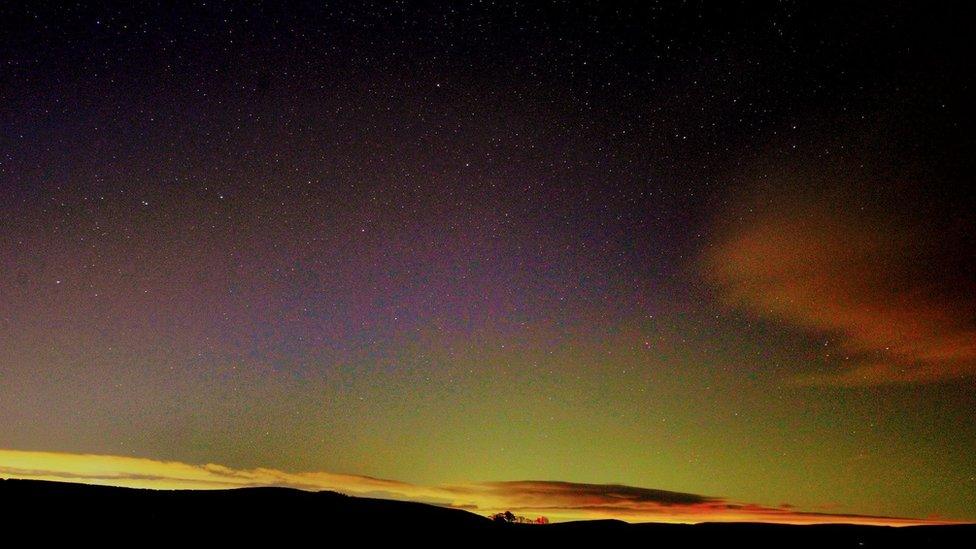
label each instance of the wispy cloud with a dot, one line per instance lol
(555, 499)
(578, 493)
(884, 290)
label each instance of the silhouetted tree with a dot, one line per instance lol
(510, 518)
(506, 517)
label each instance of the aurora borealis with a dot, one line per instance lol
(717, 257)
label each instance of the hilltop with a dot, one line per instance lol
(51, 511)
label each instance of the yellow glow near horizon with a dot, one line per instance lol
(558, 501)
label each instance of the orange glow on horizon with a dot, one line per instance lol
(559, 501)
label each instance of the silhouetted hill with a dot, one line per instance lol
(55, 511)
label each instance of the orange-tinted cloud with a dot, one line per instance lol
(886, 290)
(575, 501)
(554, 499)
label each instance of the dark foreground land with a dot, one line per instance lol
(57, 512)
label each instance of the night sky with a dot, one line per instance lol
(717, 256)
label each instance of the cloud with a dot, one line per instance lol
(577, 493)
(891, 292)
(147, 473)
(574, 501)
(555, 499)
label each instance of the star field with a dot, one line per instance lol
(707, 248)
